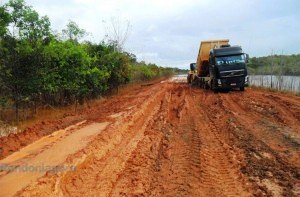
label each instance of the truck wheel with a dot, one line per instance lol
(242, 88)
(214, 87)
(206, 86)
(201, 83)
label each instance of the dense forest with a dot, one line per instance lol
(38, 66)
(275, 65)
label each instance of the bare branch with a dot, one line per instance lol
(117, 31)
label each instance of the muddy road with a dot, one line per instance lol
(163, 139)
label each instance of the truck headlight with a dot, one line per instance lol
(246, 80)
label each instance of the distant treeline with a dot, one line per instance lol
(180, 71)
(40, 67)
(275, 65)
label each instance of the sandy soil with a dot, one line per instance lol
(163, 139)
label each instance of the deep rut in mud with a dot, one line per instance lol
(174, 140)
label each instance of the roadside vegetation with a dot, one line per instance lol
(277, 72)
(39, 67)
(275, 65)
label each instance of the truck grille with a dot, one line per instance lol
(232, 73)
(231, 80)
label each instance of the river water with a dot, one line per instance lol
(290, 83)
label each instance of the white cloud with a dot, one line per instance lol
(168, 32)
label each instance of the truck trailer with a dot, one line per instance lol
(219, 66)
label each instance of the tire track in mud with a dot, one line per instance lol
(105, 157)
(172, 160)
(190, 160)
(220, 162)
(271, 124)
(289, 109)
(285, 110)
(180, 168)
(263, 165)
(111, 165)
(182, 141)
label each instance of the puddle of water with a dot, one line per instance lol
(176, 79)
(131, 107)
(117, 115)
(50, 151)
(38, 145)
(291, 83)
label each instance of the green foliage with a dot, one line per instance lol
(73, 31)
(117, 63)
(71, 71)
(276, 65)
(4, 20)
(36, 67)
(26, 22)
(106, 59)
(142, 72)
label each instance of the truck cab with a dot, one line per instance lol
(219, 65)
(227, 67)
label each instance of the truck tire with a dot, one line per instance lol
(242, 88)
(189, 79)
(206, 86)
(213, 86)
(201, 83)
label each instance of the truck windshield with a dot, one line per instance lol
(233, 59)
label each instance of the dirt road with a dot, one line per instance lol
(165, 139)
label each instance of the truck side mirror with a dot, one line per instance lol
(193, 66)
(247, 58)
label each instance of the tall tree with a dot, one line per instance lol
(20, 51)
(26, 22)
(73, 32)
(4, 20)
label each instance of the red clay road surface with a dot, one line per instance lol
(163, 139)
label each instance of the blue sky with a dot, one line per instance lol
(168, 32)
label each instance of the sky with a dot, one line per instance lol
(169, 32)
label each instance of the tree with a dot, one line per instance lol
(118, 65)
(131, 56)
(71, 73)
(37, 67)
(4, 20)
(20, 52)
(73, 32)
